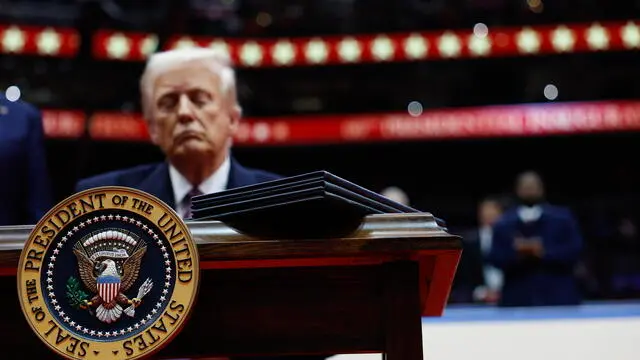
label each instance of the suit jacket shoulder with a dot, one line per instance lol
(150, 178)
(510, 216)
(240, 175)
(154, 179)
(129, 177)
(558, 211)
(551, 212)
(20, 120)
(25, 190)
(20, 106)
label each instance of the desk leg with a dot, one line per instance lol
(403, 321)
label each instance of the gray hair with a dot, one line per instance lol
(163, 61)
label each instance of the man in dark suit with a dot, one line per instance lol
(190, 105)
(477, 281)
(537, 245)
(156, 179)
(25, 191)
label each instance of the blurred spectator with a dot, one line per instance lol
(25, 190)
(396, 194)
(537, 245)
(476, 280)
(625, 281)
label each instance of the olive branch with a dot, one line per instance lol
(75, 294)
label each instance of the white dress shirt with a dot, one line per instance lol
(493, 276)
(529, 213)
(181, 186)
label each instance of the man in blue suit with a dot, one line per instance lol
(537, 246)
(189, 102)
(25, 191)
(190, 105)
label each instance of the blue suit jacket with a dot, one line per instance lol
(154, 179)
(25, 190)
(537, 282)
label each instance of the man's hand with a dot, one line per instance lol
(492, 296)
(531, 246)
(536, 248)
(486, 295)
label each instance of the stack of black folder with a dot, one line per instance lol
(317, 204)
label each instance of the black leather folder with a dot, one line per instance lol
(293, 183)
(298, 191)
(312, 205)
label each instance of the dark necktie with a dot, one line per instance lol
(187, 202)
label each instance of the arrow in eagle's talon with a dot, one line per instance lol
(142, 291)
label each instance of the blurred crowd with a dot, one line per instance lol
(570, 261)
(526, 251)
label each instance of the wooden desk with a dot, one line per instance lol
(362, 293)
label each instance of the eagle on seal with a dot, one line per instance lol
(103, 279)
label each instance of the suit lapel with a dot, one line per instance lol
(158, 183)
(239, 176)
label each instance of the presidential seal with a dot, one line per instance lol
(108, 273)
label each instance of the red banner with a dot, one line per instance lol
(118, 126)
(63, 124)
(39, 40)
(479, 42)
(459, 123)
(482, 41)
(495, 121)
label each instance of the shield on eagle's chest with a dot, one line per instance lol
(108, 287)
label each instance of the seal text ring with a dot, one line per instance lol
(108, 273)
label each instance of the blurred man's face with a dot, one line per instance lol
(396, 194)
(488, 213)
(529, 189)
(192, 115)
